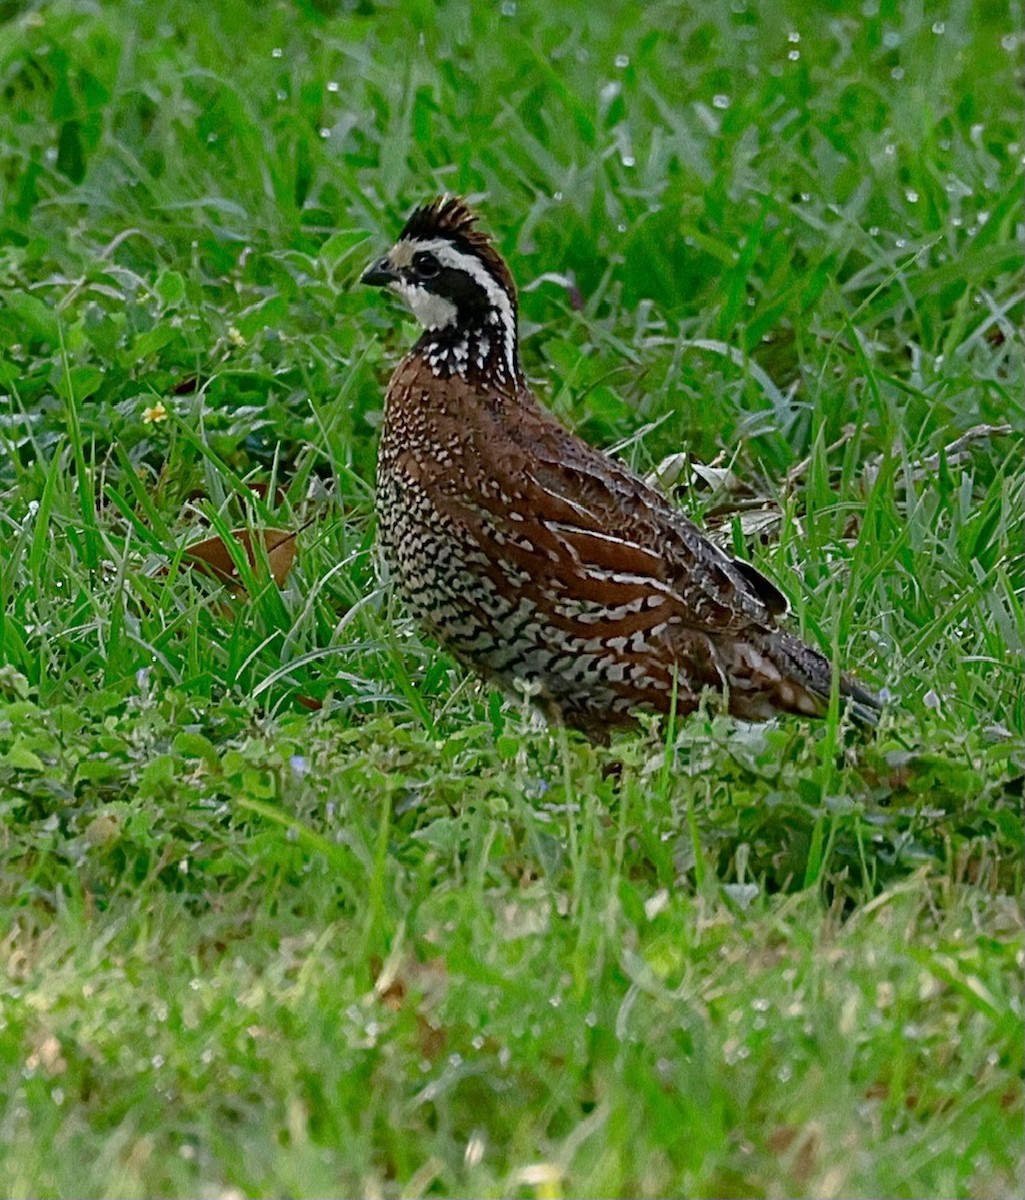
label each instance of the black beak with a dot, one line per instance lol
(379, 274)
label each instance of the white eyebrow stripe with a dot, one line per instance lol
(449, 256)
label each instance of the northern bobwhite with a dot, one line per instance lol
(538, 561)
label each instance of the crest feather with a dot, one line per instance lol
(447, 215)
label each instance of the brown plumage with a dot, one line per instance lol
(538, 561)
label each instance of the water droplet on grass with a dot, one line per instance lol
(622, 60)
(720, 101)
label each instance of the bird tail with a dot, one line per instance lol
(775, 670)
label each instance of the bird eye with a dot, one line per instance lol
(426, 265)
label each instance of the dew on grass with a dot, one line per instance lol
(57, 1096)
(590, 1020)
(793, 55)
(720, 100)
(939, 28)
(897, 73)
(622, 60)
(1009, 42)
(473, 1155)
(891, 39)
(508, 8)
(912, 196)
(324, 132)
(333, 85)
(873, 231)
(793, 36)
(281, 94)
(477, 1042)
(157, 1061)
(277, 52)
(761, 1004)
(621, 227)
(900, 243)
(734, 1051)
(785, 1073)
(628, 160)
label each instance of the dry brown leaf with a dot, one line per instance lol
(212, 556)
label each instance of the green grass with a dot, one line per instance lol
(407, 943)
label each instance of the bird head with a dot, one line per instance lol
(453, 280)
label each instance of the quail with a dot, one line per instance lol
(539, 562)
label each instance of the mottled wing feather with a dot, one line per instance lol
(718, 591)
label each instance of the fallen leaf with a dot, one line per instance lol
(212, 556)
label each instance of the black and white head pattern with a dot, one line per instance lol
(460, 290)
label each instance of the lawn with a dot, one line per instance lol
(289, 906)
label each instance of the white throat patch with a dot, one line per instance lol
(433, 312)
